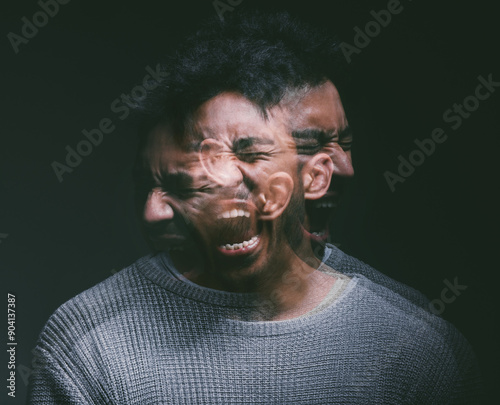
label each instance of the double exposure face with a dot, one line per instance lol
(233, 194)
(319, 125)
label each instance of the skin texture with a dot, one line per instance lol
(244, 162)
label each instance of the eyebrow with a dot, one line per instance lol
(243, 143)
(177, 180)
(309, 141)
(318, 134)
(311, 134)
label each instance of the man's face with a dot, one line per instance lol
(170, 189)
(221, 195)
(319, 124)
(254, 162)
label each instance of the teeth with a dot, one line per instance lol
(236, 246)
(234, 214)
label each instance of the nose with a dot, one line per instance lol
(157, 208)
(342, 162)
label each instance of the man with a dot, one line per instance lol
(250, 54)
(252, 316)
(247, 226)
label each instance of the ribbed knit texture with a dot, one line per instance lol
(145, 337)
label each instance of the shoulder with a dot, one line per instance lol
(393, 301)
(107, 303)
(400, 319)
(351, 266)
(85, 334)
(69, 365)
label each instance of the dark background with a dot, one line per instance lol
(64, 237)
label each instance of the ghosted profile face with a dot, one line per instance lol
(319, 125)
(171, 188)
(234, 193)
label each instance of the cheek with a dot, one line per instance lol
(201, 210)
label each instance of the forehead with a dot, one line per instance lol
(320, 107)
(230, 116)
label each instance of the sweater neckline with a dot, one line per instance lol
(153, 268)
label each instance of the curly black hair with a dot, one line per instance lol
(261, 56)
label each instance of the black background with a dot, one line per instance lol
(64, 237)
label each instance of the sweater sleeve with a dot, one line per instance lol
(469, 387)
(51, 384)
(68, 366)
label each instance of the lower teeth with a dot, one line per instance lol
(238, 246)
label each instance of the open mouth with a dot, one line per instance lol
(320, 236)
(320, 213)
(236, 229)
(244, 247)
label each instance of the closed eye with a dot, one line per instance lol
(308, 149)
(250, 157)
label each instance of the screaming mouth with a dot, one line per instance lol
(243, 246)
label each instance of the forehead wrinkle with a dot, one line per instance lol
(237, 135)
(230, 118)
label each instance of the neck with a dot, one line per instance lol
(295, 290)
(289, 286)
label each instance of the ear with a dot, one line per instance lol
(316, 176)
(273, 201)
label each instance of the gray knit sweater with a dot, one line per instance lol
(145, 337)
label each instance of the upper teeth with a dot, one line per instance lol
(233, 214)
(235, 246)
